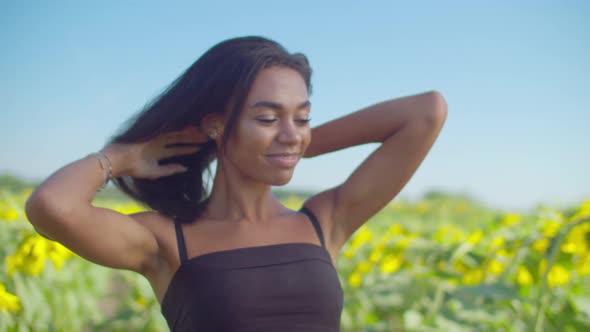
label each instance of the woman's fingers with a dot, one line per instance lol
(189, 134)
(167, 170)
(179, 150)
(183, 142)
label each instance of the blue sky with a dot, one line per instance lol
(516, 77)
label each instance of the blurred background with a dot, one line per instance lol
(492, 233)
(515, 77)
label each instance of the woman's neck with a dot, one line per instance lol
(239, 199)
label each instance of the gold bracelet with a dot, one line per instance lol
(105, 175)
(110, 177)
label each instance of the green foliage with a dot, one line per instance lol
(13, 183)
(444, 263)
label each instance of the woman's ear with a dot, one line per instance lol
(212, 124)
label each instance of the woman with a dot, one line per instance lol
(236, 259)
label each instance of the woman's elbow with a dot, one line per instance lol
(38, 208)
(37, 213)
(440, 102)
(437, 112)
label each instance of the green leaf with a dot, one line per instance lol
(493, 291)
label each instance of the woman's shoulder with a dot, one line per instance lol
(160, 225)
(152, 219)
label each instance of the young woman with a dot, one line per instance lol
(233, 258)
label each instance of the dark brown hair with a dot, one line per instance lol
(219, 81)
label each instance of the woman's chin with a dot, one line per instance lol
(282, 180)
(279, 184)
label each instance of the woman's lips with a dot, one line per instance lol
(283, 160)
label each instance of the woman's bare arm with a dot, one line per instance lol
(61, 210)
(61, 207)
(406, 128)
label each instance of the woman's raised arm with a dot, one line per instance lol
(61, 207)
(406, 128)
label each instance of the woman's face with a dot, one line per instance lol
(272, 132)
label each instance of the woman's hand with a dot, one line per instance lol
(140, 160)
(61, 207)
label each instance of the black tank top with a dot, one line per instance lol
(278, 287)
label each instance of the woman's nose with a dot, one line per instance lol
(289, 133)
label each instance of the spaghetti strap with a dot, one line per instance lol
(180, 240)
(315, 223)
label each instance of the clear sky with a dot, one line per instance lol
(515, 75)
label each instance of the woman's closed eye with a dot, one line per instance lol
(303, 121)
(267, 120)
(271, 120)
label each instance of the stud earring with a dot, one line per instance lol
(213, 135)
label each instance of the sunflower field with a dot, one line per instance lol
(444, 263)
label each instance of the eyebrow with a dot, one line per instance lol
(278, 106)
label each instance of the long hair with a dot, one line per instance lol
(218, 82)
